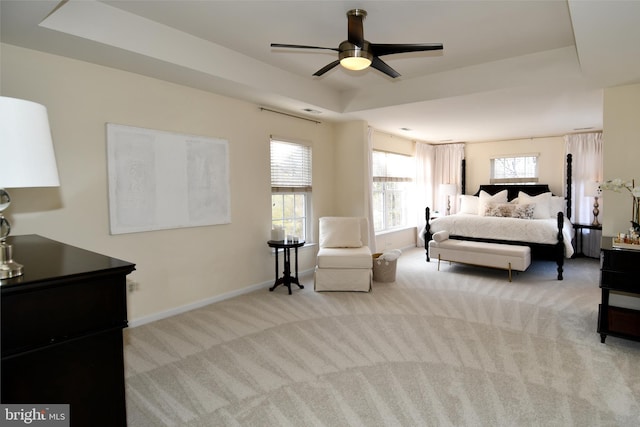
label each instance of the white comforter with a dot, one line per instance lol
(499, 228)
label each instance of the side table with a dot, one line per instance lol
(579, 242)
(287, 279)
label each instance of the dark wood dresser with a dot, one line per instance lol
(62, 327)
(618, 272)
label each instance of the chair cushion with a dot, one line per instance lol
(340, 232)
(345, 257)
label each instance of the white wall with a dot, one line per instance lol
(349, 169)
(621, 151)
(551, 163)
(174, 267)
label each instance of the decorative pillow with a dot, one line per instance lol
(542, 202)
(440, 236)
(485, 199)
(338, 232)
(469, 204)
(510, 210)
(556, 205)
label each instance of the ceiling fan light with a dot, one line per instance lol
(355, 63)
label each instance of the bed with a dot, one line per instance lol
(522, 214)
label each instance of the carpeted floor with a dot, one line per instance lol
(458, 347)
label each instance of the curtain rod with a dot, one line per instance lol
(290, 115)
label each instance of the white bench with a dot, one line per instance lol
(496, 255)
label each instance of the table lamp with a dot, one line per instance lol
(27, 159)
(593, 190)
(448, 190)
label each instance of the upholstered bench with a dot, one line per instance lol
(496, 255)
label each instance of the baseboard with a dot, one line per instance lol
(192, 306)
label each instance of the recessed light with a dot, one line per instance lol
(406, 129)
(311, 111)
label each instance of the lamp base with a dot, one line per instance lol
(8, 268)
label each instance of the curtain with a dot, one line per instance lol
(586, 150)
(424, 186)
(447, 169)
(369, 186)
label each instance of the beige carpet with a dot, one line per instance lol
(459, 347)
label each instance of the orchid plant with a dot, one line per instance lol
(618, 185)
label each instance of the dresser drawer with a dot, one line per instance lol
(622, 261)
(621, 281)
(43, 316)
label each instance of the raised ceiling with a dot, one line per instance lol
(509, 69)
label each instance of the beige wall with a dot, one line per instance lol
(349, 169)
(621, 148)
(178, 267)
(551, 166)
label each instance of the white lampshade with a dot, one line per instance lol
(448, 189)
(27, 158)
(592, 189)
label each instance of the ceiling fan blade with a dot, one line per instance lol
(388, 49)
(326, 68)
(355, 26)
(382, 66)
(300, 46)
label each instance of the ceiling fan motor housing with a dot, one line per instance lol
(350, 50)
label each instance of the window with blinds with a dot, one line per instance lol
(393, 176)
(291, 187)
(514, 169)
(290, 167)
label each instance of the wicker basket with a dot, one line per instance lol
(383, 271)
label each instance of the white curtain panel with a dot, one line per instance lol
(447, 169)
(424, 185)
(369, 187)
(586, 150)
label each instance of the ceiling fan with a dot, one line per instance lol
(356, 53)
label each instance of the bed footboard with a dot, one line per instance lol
(427, 231)
(549, 251)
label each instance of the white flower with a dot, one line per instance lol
(618, 185)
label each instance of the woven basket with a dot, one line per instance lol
(384, 271)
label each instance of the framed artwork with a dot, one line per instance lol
(160, 180)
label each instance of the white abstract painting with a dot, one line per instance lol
(160, 180)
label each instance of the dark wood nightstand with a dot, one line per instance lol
(619, 272)
(579, 250)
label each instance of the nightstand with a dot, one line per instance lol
(579, 241)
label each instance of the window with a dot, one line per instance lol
(514, 169)
(392, 184)
(290, 187)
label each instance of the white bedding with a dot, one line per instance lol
(489, 227)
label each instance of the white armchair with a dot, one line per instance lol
(344, 260)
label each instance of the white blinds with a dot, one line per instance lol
(391, 167)
(290, 167)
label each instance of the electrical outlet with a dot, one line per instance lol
(132, 286)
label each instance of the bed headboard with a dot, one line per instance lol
(514, 189)
(530, 189)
